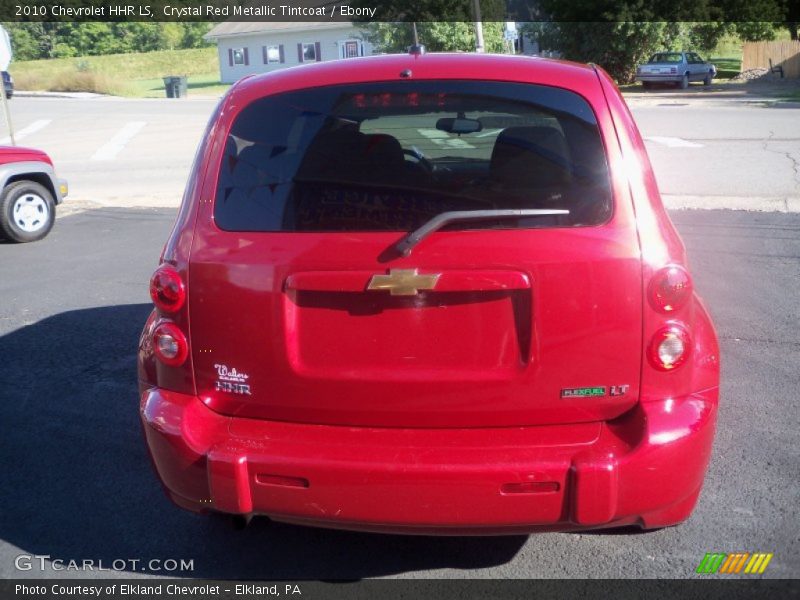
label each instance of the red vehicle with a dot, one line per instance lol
(428, 294)
(29, 193)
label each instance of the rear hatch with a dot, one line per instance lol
(306, 306)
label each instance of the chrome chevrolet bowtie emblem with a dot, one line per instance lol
(403, 282)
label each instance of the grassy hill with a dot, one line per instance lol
(132, 75)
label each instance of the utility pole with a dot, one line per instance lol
(479, 47)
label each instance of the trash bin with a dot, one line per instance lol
(176, 86)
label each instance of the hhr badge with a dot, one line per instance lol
(231, 381)
(404, 282)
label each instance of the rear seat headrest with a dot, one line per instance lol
(332, 154)
(382, 150)
(531, 156)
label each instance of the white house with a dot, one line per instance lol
(246, 48)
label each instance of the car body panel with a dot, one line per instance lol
(9, 154)
(28, 163)
(472, 433)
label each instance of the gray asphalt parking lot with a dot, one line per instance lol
(77, 483)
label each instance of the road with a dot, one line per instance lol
(726, 154)
(77, 483)
(137, 152)
(114, 151)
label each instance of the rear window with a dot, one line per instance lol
(666, 57)
(391, 156)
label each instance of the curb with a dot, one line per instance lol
(81, 95)
(93, 96)
(747, 203)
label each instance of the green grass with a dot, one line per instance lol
(791, 96)
(729, 45)
(133, 75)
(727, 67)
(205, 85)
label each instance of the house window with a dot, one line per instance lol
(308, 52)
(350, 49)
(273, 54)
(238, 56)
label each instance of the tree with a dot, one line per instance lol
(616, 46)
(792, 17)
(436, 36)
(37, 40)
(32, 40)
(705, 36)
(25, 42)
(193, 35)
(756, 31)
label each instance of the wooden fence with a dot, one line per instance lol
(783, 54)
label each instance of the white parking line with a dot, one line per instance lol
(442, 138)
(114, 146)
(672, 142)
(26, 131)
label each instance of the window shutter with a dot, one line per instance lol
(282, 55)
(264, 54)
(230, 57)
(318, 50)
(299, 52)
(246, 58)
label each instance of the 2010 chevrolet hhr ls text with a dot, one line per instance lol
(429, 294)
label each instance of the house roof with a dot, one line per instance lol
(234, 28)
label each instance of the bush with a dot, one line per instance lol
(86, 81)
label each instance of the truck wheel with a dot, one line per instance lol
(684, 82)
(707, 80)
(27, 211)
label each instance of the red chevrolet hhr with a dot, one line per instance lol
(428, 293)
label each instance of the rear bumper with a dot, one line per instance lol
(645, 468)
(673, 78)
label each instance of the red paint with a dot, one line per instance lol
(9, 154)
(437, 413)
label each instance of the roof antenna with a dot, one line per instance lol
(417, 48)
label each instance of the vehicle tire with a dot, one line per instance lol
(27, 211)
(708, 78)
(684, 82)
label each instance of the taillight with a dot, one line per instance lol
(169, 344)
(669, 347)
(673, 69)
(670, 289)
(167, 289)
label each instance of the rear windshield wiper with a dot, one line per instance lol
(405, 245)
